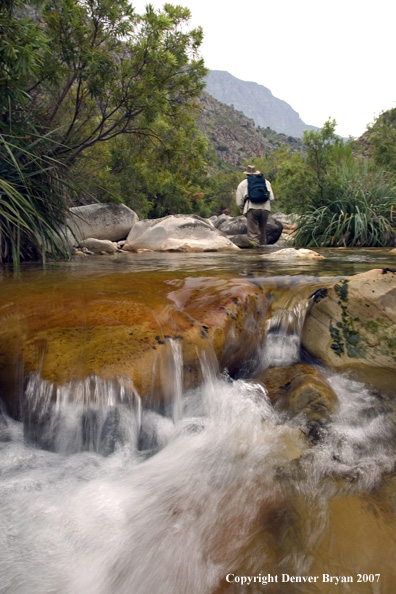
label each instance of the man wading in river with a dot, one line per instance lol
(253, 197)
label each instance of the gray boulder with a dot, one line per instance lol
(274, 231)
(236, 229)
(181, 233)
(100, 221)
(232, 225)
(218, 220)
(241, 240)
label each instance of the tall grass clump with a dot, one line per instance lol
(359, 211)
(32, 203)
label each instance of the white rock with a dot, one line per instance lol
(97, 246)
(288, 253)
(188, 233)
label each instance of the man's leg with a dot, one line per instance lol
(264, 214)
(253, 225)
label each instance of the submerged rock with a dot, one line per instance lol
(181, 233)
(300, 388)
(353, 327)
(292, 253)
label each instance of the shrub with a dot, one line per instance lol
(360, 211)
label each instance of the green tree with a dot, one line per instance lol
(320, 145)
(108, 71)
(80, 73)
(220, 190)
(295, 185)
(22, 46)
(155, 178)
(380, 141)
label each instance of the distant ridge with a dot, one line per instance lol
(234, 137)
(256, 102)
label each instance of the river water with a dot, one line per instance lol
(222, 493)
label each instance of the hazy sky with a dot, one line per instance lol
(325, 58)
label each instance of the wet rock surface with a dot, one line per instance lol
(353, 327)
(111, 327)
(300, 388)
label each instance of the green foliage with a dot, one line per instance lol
(108, 71)
(76, 74)
(291, 179)
(220, 191)
(154, 178)
(381, 140)
(22, 46)
(32, 206)
(349, 202)
(319, 155)
(360, 211)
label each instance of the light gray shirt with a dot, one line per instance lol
(242, 193)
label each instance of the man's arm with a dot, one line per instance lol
(241, 194)
(269, 188)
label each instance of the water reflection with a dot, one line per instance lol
(338, 261)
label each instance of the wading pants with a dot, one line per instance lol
(256, 225)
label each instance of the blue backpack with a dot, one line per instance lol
(257, 188)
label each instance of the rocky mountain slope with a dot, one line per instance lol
(235, 137)
(256, 102)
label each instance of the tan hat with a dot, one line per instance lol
(251, 170)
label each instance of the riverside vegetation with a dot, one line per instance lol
(99, 103)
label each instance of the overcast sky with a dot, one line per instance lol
(325, 58)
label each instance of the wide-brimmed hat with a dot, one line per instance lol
(251, 170)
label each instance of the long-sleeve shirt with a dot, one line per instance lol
(242, 193)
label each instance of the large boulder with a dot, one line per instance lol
(100, 221)
(352, 326)
(181, 233)
(111, 326)
(232, 225)
(236, 229)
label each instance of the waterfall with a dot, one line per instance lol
(181, 517)
(177, 361)
(95, 415)
(281, 344)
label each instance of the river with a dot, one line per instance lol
(221, 493)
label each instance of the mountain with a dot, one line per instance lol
(234, 136)
(256, 102)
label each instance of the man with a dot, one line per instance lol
(256, 213)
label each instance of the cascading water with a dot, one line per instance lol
(211, 501)
(93, 415)
(282, 339)
(100, 496)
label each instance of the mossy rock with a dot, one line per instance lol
(353, 327)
